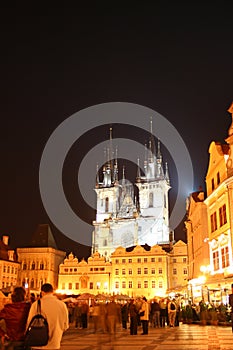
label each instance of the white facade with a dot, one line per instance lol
(126, 219)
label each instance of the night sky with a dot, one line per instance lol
(176, 59)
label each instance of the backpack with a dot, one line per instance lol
(173, 306)
(37, 333)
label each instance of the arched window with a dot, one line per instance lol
(106, 205)
(151, 197)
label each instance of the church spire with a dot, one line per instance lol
(97, 180)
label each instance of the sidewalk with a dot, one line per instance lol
(184, 337)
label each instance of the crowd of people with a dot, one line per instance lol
(102, 316)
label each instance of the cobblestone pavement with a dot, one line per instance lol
(184, 337)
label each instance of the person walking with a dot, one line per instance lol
(14, 318)
(144, 315)
(172, 312)
(56, 314)
(133, 314)
(231, 304)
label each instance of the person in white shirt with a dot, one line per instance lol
(56, 313)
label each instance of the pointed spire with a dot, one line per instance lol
(123, 175)
(115, 172)
(138, 178)
(97, 180)
(145, 159)
(167, 178)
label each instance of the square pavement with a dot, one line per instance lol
(184, 337)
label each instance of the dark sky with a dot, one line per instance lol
(176, 59)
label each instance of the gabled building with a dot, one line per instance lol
(39, 263)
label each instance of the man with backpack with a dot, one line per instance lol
(172, 312)
(56, 313)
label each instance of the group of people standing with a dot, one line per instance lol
(16, 316)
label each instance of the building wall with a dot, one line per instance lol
(38, 266)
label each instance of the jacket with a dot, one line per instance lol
(15, 316)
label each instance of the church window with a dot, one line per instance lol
(151, 198)
(222, 215)
(33, 266)
(117, 284)
(218, 178)
(139, 270)
(145, 284)
(153, 284)
(213, 221)
(130, 284)
(106, 205)
(123, 284)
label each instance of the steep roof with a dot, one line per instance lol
(43, 237)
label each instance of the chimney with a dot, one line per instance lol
(5, 239)
(11, 255)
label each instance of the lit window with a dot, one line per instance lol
(153, 271)
(225, 257)
(123, 284)
(145, 284)
(130, 272)
(216, 260)
(130, 260)
(105, 285)
(160, 284)
(139, 284)
(213, 221)
(130, 284)
(117, 285)
(222, 215)
(153, 284)
(97, 285)
(139, 271)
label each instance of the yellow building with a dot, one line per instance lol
(216, 274)
(136, 271)
(9, 266)
(40, 262)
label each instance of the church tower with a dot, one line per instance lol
(121, 218)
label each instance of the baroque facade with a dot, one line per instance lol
(136, 271)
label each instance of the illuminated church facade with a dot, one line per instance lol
(124, 218)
